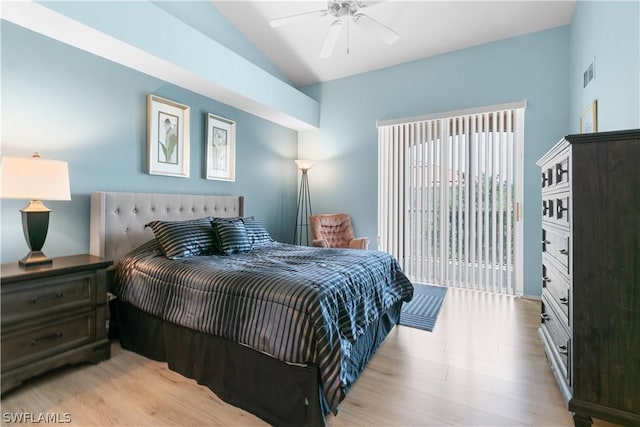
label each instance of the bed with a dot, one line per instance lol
(279, 330)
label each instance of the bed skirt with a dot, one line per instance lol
(282, 394)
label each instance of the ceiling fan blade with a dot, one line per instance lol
(383, 33)
(286, 20)
(363, 4)
(332, 39)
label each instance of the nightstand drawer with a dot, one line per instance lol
(37, 297)
(23, 345)
(52, 315)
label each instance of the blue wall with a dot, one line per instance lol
(608, 32)
(73, 106)
(544, 68)
(211, 68)
(532, 67)
(203, 16)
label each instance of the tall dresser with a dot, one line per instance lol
(590, 311)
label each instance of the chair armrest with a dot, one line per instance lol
(321, 243)
(359, 243)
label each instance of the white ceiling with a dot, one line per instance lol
(426, 28)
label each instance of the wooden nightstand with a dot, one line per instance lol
(52, 316)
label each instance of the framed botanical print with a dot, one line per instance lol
(167, 137)
(221, 148)
(589, 119)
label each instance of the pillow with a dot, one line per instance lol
(215, 220)
(258, 235)
(231, 237)
(183, 239)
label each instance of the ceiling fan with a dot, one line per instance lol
(337, 10)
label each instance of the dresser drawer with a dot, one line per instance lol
(547, 177)
(555, 243)
(561, 170)
(555, 173)
(557, 286)
(555, 208)
(560, 343)
(37, 297)
(23, 345)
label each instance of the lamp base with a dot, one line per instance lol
(34, 258)
(35, 223)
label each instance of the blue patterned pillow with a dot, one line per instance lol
(258, 235)
(183, 239)
(231, 236)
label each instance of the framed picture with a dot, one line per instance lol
(589, 119)
(167, 137)
(221, 148)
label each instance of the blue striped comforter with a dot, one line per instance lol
(301, 305)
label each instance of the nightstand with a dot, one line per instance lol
(52, 316)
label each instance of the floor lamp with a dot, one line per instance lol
(301, 233)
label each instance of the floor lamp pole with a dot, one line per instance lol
(303, 211)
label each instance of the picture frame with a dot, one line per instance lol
(167, 137)
(220, 148)
(589, 118)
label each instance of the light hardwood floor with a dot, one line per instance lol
(482, 366)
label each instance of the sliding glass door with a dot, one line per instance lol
(449, 198)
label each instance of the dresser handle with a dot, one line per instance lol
(560, 208)
(560, 172)
(544, 317)
(563, 251)
(46, 338)
(564, 300)
(563, 349)
(36, 300)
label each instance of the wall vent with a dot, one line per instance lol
(589, 73)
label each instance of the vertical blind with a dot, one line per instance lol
(446, 198)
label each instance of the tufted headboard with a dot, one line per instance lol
(118, 219)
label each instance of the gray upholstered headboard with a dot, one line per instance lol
(118, 219)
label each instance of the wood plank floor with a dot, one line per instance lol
(482, 366)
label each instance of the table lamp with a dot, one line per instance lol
(34, 179)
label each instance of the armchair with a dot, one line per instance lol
(335, 231)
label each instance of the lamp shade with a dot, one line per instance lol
(34, 179)
(304, 164)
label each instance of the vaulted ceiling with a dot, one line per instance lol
(425, 28)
